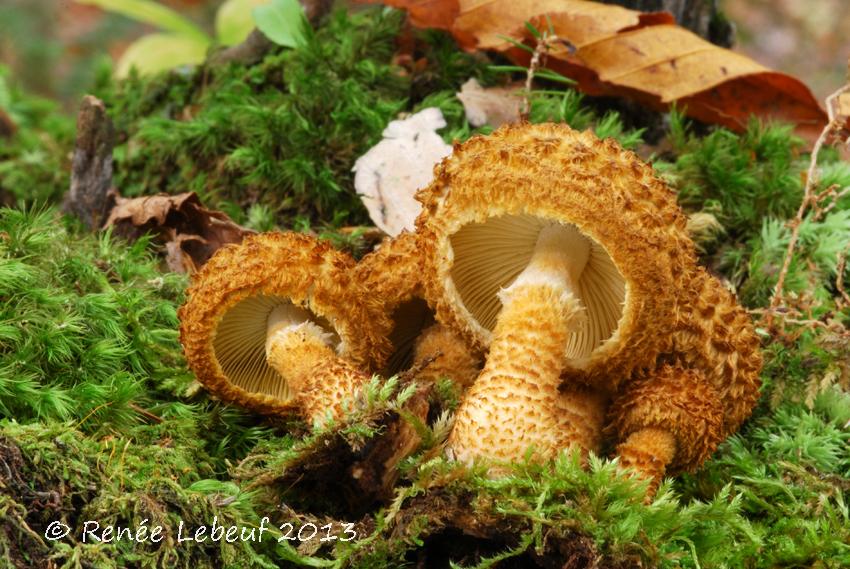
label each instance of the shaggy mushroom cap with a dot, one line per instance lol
(716, 335)
(244, 299)
(618, 225)
(699, 393)
(393, 276)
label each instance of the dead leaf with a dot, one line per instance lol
(493, 106)
(619, 52)
(388, 175)
(190, 232)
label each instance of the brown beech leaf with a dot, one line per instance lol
(190, 232)
(613, 51)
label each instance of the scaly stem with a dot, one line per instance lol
(300, 351)
(649, 451)
(515, 404)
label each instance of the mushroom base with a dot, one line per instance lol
(648, 451)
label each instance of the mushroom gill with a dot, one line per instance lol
(489, 256)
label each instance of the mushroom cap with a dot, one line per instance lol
(223, 324)
(484, 210)
(393, 276)
(716, 335)
(678, 400)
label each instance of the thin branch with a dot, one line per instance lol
(810, 200)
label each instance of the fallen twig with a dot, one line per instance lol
(811, 200)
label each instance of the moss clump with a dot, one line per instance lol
(55, 473)
(283, 133)
(87, 324)
(34, 161)
(742, 178)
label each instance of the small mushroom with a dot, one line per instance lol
(560, 253)
(278, 325)
(393, 276)
(672, 418)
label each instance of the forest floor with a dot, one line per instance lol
(102, 421)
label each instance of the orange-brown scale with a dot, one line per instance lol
(454, 358)
(707, 386)
(393, 276)
(323, 383)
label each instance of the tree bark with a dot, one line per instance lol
(700, 16)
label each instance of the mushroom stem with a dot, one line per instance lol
(648, 451)
(515, 404)
(300, 351)
(450, 357)
(558, 259)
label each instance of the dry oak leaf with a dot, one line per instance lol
(190, 232)
(614, 51)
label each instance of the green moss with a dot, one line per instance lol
(283, 133)
(743, 178)
(34, 164)
(88, 325)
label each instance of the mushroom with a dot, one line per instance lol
(560, 253)
(672, 418)
(393, 275)
(278, 325)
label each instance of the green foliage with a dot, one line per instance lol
(149, 479)
(742, 178)
(813, 269)
(88, 324)
(283, 22)
(791, 470)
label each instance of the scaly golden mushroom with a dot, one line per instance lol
(393, 275)
(672, 418)
(562, 254)
(278, 325)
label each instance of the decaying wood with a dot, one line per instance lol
(91, 170)
(7, 125)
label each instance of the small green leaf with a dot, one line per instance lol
(152, 13)
(234, 20)
(158, 52)
(283, 22)
(533, 31)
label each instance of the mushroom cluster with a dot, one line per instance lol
(558, 260)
